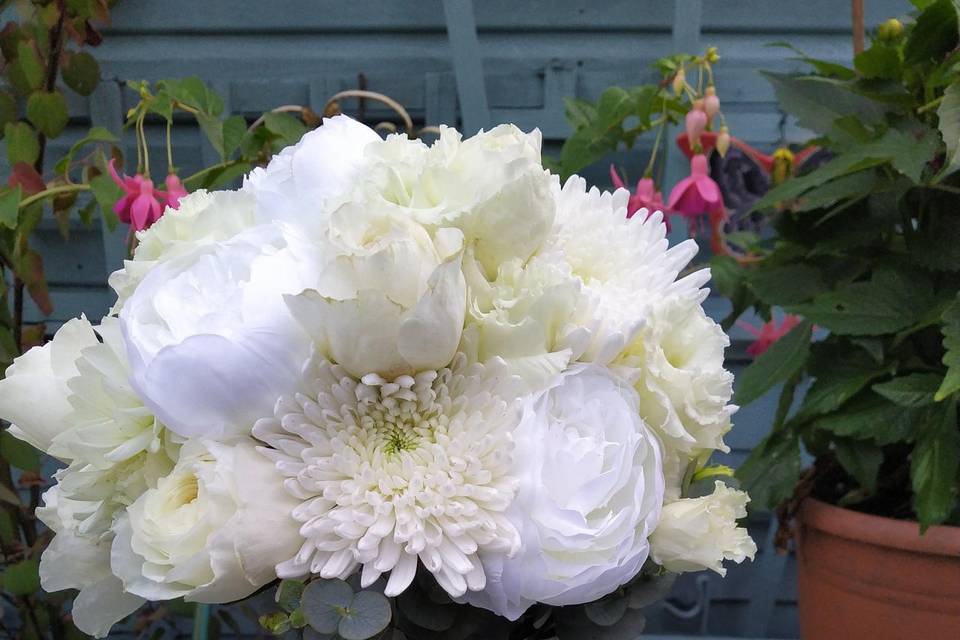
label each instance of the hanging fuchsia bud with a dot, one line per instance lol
(696, 122)
(711, 103)
(679, 79)
(723, 142)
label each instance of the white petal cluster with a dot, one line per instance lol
(392, 471)
(380, 355)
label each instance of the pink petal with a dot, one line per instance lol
(140, 212)
(708, 190)
(615, 177)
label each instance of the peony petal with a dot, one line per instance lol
(428, 338)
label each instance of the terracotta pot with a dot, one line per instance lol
(863, 576)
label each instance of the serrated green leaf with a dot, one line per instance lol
(22, 578)
(881, 60)
(234, 129)
(787, 283)
(10, 207)
(855, 185)
(212, 127)
(914, 390)
(861, 460)
(890, 302)
(948, 115)
(614, 105)
(22, 143)
(770, 474)
(369, 614)
(844, 375)
(579, 113)
(951, 351)
(778, 363)
(823, 67)
(81, 72)
(289, 128)
(817, 102)
(871, 417)
(934, 464)
(934, 34)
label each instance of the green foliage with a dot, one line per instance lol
(866, 250)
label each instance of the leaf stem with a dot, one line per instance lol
(933, 104)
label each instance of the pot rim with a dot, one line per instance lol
(943, 540)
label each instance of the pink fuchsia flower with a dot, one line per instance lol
(141, 205)
(697, 195)
(768, 333)
(645, 196)
(175, 191)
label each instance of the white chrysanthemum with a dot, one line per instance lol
(203, 218)
(393, 471)
(625, 264)
(700, 533)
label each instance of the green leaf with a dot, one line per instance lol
(728, 278)
(614, 105)
(193, 92)
(324, 603)
(234, 129)
(276, 623)
(81, 72)
(948, 114)
(424, 612)
(19, 453)
(95, 134)
(951, 351)
(579, 113)
(934, 34)
(778, 363)
(839, 166)
(22, 578)
(882, 60)
(22, 143)
(30, 65)
(786, 284)
(48, 112)
(841, 376)
(861, 459)
(854, 185)
(816, 102)
(289, 128)
(934, 464)
(288, 594)
(212, 127)
(368, 615)
(914, 390)
(8, 109)
(106, 192)
(7, 531)
(607, 611)
(871, 417)
(770, 474)
(10, 207)
(891, 301)
(823, 67)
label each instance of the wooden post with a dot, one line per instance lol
(856, 7)
(467, 65)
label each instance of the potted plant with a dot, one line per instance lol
(866, 256)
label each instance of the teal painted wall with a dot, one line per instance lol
(259, 55)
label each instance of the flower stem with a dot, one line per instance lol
(170, 167)
(203, 172)
(933, 104)
(53, 191)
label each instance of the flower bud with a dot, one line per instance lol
(723, 142)
(890, 30)
(782, 165)
(679, 80)
(711, 103)
(712, 56)
(696, 123)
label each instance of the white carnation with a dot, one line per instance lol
(210, 531)
(700, 533)
(389, 472)
(591, 488)
(203, 218)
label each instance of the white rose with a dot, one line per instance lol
(700, 533)
(73, 561)
(297, 183)
(677, 363)
(211, 344)
(34, 393)
(211, 531)
(391, 300)
(591, 488)
(202, 219)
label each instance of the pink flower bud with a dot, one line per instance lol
(723, 142)
(696, 122)
(711, 104)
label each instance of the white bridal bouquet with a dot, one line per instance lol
(381, 357)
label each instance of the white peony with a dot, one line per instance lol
(34, 394)
(298, 183)
(700, 533)
(389, 472)
(210, 341)
(210, 531)
(390, 300)
(591, 488)
(203, 218)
